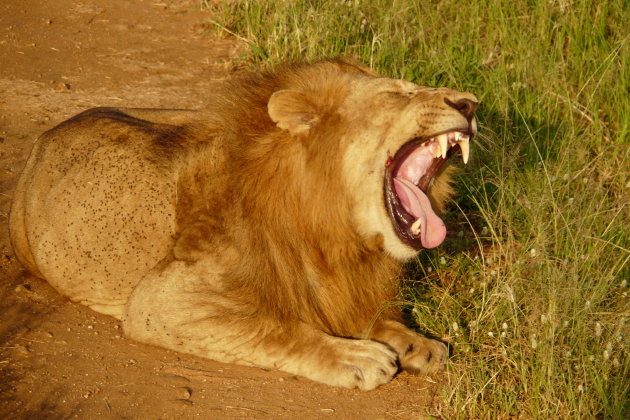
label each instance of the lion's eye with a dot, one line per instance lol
(399, 94)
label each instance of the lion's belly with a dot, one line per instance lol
(98, 221)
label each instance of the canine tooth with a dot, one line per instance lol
(443, 141)
(465, 146)
(458, 136)
(415, 227)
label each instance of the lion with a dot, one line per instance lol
(268, 229)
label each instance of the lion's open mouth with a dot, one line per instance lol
(408, 177)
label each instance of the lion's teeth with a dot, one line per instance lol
(443, 142)
(415, 227)
(436, 150)
(465, 146)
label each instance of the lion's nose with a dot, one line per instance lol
(466, 107)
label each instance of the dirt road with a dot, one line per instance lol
(59, 359)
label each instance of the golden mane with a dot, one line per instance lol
(304, 252)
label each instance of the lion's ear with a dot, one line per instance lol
(293, 111)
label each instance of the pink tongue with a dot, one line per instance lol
(416, 203)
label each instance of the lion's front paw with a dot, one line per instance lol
(362, 364)
(423, 355)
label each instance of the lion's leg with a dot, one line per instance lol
(416, 353)
(179, 307)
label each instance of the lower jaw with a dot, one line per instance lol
(400, 219)
(397, 248)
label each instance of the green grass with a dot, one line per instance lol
(531, 287)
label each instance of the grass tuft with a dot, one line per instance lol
(531, 287)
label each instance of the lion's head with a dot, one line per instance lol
(396, 138)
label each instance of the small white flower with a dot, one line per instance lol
(490, 334)
(533, 341)
(568, 354)
(504, 326)
(472, 290)
(503, 334)
(606, 355)
(455, 326)
(363, 25)
(565, 324)
(430, 269)
(442, 260)
(598, 329)
(518, 85)
(532, 252)
(580, 388)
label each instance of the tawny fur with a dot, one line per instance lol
(251, 232)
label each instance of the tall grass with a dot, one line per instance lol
(531, 287)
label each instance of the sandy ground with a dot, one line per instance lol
(61, 360)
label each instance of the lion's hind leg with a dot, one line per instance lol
(19, 208)
(179, 308)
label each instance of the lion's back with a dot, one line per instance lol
(94, 210)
